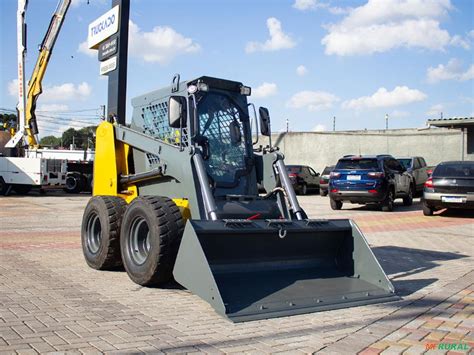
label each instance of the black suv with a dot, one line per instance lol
(303, 178)
(368, 179)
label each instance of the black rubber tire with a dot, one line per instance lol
(408, 200)
(323, 192)
(427, 210)
(102, 252)
(21, 189)
(74, 184)
(3, 187)
(304, 189)
(335, 205)
(387, 204)
(150, 260)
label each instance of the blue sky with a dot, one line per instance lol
(306, 60)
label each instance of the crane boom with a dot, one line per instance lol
(27, 104)
(35, 83)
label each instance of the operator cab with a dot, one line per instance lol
(222, 130)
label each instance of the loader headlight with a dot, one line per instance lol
(203, 87)
(245, 90)
(192, 89)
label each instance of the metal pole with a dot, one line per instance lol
(207, 197)
(117, 93)
(287, 125)
(386, 121)
(334, 123)
(462, 144)
(290, 192)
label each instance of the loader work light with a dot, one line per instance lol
(192, 89)
(203, 87)
(245, 90)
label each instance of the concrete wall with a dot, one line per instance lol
(319, 149)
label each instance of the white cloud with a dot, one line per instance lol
(301, 70)
(319, 128)
(471, 33)
(312, 100)
(278, 39)
(265, 90)
(63, 92)
(84, 48)
(304, 5)
(435, 110)
(468, 74)
(401, 95)
(160, 45)
(340, 10)
(52, 108)
(13, 87)
(76, 3)
(66, 92)
(381, 25)
(460, 42)
(451, 71)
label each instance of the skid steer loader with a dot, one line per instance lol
(175, 195)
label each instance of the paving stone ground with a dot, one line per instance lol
(50, 301)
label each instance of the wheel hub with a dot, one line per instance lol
(139, 246)
(94, 233)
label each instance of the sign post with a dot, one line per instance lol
(109, 34)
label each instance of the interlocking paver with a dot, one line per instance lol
(51, 301)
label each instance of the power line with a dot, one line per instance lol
(64, 111)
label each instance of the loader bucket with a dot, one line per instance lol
(259, 269)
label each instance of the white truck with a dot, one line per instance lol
(79, 166)
(20, 174)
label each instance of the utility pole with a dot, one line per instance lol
(287, 125)
(386, 121)
(102, 107)
(334, 124)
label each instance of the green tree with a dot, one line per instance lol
(9, 119)
(82, 138)
(50, 141)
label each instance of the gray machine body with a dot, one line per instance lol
(249, 256)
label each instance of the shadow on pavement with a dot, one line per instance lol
(416, 308)
(400, 262)
(49, 192)
(407, 287)
(456, 213)
(398, 207)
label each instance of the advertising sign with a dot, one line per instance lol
(104, 27)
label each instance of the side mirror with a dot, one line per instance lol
(264, 121)
(177, 111)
